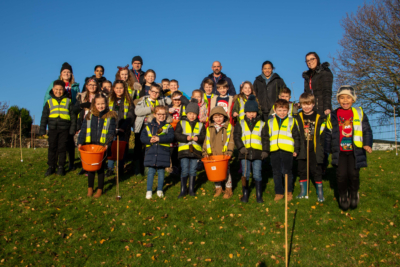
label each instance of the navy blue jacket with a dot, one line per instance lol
(231, 90)
(332, 141)
(156, 155)
(96, 126)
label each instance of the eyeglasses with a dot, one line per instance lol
(311, 59)
(154, 92)
(161, 114)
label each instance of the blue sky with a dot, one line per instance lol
(178, 39)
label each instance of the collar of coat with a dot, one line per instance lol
(318, 69)
(224, 125)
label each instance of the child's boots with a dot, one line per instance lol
(320, 193)
(354, 197)
(61, 171)
(303, 188)
(259, 192)
(228, 193)
(218, 189)
(90, 191)
(344, 202)
(50, 171)
(192, 179)
(183, 187)
(245, 189)
(98, 193)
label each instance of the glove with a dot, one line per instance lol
(137, 86)
(264, 155)
(85, 105)
(244, 151)
(171, 110)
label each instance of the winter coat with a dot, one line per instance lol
(236, 107)
(319, 138)
(252, 153)
(78, 110)
(267, 94)
(182, 138)
(141, 78)
(57, 123)
(96, 127)
(295, 135)
(321, 83)
(74, 91)
(157, 155)
(231, 90)
(142, 110)
(332, 141)
(127, 123)
(218, 139)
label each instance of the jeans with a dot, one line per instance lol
(189, 167)
(257, 166)
(282, 163)
(150, 178)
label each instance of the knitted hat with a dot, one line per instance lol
(193, 107)
(66, 66)
(346, 90)
(251, 104)
(137, 58)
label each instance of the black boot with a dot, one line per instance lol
(344, 202)
(354, 197)
(259, 192)
(82, 172)
(61, 171)
(71, 166)
(50, 171)
(192, 179)
(245, 190)
(183, 187)
(109, 172)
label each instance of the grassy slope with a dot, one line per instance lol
(50, 221)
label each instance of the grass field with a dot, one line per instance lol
(50, 221)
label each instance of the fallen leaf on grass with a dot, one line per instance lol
(313, 207)
(102, 241)
(127, 248)
(208, 259)
(231, 256)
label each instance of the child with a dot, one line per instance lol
(106, 88)
(173, 87)
(98, 75)
(348, 136)
(58, 114)
(285, 94)
(190, 134)
(284, 144)
(177, 111)
(165, 87)
(98, 128)
(312, 125)
(223, 99)
(219, 141)
(125, 75)
(203, 108)
(251, 139)
(149, 78)
(208, 86)
(157, 135)
(246, 89)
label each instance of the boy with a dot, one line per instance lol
(223, 99)
(174, 86)
(284, 142)
(251, 139)
(348, 136)
(165, 87)
(208, 86)
(219, 141)
(311, 127)
(190, 134)
(57, 113)
(106, 87)
(285, 94)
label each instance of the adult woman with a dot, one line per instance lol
(318, 80)
(98, 73)
(267, 87)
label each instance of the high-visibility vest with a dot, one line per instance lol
(149, 103)
(228, 136)
(187, 130)
(206, 99)
(252, 139)
(164, 132)
(59, 109)
(290, 113)
(358, 115)
(104, 131)
(129, 90)
(126, 107)
(241, 108)
(183, 111)
(281, 138)
(315, 129)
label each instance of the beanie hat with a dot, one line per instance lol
(66, 66)
(251, 104)
(346, 90)
(137, 58)
(193, 107)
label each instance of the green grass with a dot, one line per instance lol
(50, 221)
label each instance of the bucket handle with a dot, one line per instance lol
(93, 164)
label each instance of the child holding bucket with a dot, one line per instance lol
(98, 128)
(219, 141)
(157, 136)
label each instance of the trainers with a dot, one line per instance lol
(149, 194)
(160, 194)
(61, 171)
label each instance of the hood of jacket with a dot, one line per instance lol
(273, 77)
(318, 69)
(211, 76)
(218, 110)
(103, 114)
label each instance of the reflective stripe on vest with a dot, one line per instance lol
(241, 109)
(252, 139)
(59, 109)
(228, 136)
(126, 107)
(104, 131)
(187, 130)
(281, 138)
(206, 99)
(358, 116)
(149, 103)
(164, 132)
(183, 111)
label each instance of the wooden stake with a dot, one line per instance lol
(118, 196)
(308, 161)
(395, 131)
(20, 136)
(286, 230)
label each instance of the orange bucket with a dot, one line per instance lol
(216, 167)
(92, 157)
(122, 146)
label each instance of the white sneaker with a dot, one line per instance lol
(160, 194)
(149, 194)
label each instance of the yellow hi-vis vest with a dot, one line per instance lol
(241, 109)
(281, 138)
(104, 131)
(290, 113)
(183, 111)
(59, 110)
(126, 107)
(149, 103)
(187, 130)
(358, 115)
(164, 132)
(252, 139)
(206, 99)
(228, 136)
(315, 129)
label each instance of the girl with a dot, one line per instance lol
(177, 111)
(157, 135)
(121, 102)
(149, 78)
(203, 108)
(246, 89)
(125, 75)
(98, 128)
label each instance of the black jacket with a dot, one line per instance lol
(57, 123)
(237, 137)
(96, 127)
(321, 83)
(231, 90)
(295, 136)
(318, 140)
(182, 138)
(267, 94)
(125, 124)
(141, 78)
(332, 141)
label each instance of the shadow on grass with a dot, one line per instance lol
(291, 236)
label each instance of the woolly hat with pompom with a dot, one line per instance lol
(193, 106)
(251, 104)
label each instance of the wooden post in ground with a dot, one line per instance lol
(286, 223)
(20, 136)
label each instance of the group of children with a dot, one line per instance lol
(173, 133)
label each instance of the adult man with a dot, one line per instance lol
(218, 75)
(137, 72)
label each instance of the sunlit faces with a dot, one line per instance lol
(218, 118)
(197, 96)
(165, 85)
(176, 102)
(119, 90)
(284, 96)
(154, 93)
(267, 70)
(216, 67)
(99, 72)
(281, 112)
(251, 115)
(106, 87)
(66, 75)
(173, 86)
(208, 88)
(123, 74)
(100, 104)
(222, 90)
(191, 116)
(345, 101)
(149, 77)
(161, 115)
(246, 89)
(136, 65)
(311, 61)
(58, 90)
(91, 87)
(307, 108)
